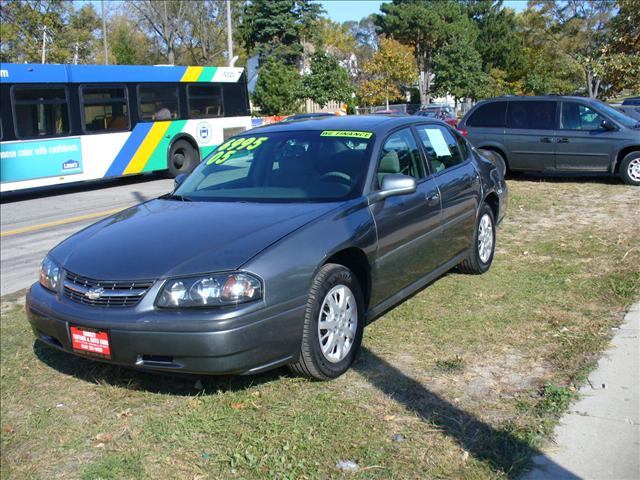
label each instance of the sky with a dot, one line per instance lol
(343, 10)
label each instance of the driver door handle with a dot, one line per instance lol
(563, 140)
(546, 140)
(433, 199)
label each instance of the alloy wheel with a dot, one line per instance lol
(337, 323)
(485, 238)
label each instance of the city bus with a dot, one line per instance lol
(73, 123)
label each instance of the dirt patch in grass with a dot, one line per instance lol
(464, 380)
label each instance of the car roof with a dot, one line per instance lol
(370, 123)
(538, 97)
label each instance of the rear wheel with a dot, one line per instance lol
(630, 168)
(497, 159)
(183, 158)
(484, 243)
(333, 324)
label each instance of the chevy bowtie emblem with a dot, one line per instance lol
(94, 293)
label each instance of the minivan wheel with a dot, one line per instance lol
(481, 253)
(333, 324)
(497, 159)
(182, 158)
(630, 168)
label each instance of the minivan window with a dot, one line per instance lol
(576, 116)
(488, 115)
(531, 115)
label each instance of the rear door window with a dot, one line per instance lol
(488, 115)
(531, 115)
(441, 147)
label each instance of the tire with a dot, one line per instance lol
(497, 159)
(481, 255)
(320, 360)
(183, 158)
(630, 169)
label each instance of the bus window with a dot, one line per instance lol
(158, 103)
(41, 111)
(105, 108)
(204, 101)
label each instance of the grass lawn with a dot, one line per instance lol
(464, 380)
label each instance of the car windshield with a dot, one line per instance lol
(302, 166)
(617, 115)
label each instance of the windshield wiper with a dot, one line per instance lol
(180, 198)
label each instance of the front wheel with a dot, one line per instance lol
(333, 324)
(484, 243)
(630, 169)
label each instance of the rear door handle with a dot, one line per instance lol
(546, 140)
(433, 199)
(563, 140)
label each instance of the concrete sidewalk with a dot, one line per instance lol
(599, 438)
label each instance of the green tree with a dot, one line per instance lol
(328, 80)
(278, 89)
(335, 38)
(498, 41)
(128, 45)
(426, 27)
(22, 24)
(621, 53)
(458, 68)
(578, 29)
(277, 28)
(390, 68)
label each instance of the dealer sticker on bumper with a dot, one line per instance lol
(90, 341)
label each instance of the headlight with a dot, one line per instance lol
(50, 274)
(210, 290)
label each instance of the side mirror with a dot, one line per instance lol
(179, 179)
(607, 125)
(393, 184)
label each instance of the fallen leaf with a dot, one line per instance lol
(388, 418)
(8, 429)
(238, 406)
(125, 413)
(104, 437)
(100, 445)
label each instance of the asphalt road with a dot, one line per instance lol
(31, 224)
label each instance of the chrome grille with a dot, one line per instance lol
(104, 293)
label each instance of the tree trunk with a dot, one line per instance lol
(427, 81)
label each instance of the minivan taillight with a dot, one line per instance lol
(463, 132)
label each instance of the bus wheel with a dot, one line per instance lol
(182, 158)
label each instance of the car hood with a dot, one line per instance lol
(168, 237)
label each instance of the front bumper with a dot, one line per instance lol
(246, 340)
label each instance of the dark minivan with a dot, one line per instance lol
(556, 133)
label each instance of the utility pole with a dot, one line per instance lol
(104, 35)
(229, 34)
(44, 44)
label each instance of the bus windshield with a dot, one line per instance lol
(308, 166)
